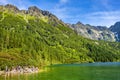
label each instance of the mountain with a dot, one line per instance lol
(93, 32)
(35, 37)
(116, 29)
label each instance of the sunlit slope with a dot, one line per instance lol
(38, 40)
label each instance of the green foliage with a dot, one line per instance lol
(35, 42)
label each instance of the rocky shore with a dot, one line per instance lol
(19, 70)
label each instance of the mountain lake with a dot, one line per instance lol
(83, 71)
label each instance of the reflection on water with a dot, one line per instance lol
(86, 71)
(8, 76)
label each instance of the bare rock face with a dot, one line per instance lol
(46, 13)
(34, 11)
(12, 7)
(93, 32)
(116, 29)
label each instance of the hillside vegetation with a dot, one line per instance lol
(27, 40)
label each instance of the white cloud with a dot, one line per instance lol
(21, 4)
(103, 18)
(102, 3)
(62, 13)
(63, 1)
(105, 15)
(3, 1)
(106, 18)
(60, 10)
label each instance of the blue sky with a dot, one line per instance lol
(94, 12)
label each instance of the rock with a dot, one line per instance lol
(93, 32)
(1, 72)
(34, 11)
(46, 13)
(20, 70)
(12, 7)
(116, 29)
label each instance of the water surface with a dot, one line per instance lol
(86, 71)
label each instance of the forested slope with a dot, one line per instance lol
(30, 40)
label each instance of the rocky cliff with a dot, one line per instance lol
(93, 32)
(116, 29)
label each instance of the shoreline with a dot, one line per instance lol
(20, 70)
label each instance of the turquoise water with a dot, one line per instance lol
(86, 71)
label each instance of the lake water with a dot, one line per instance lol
(85, 71)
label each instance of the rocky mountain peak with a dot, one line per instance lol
(34, 9)
(46, 13)
(115, 27)
(93, 32)
(117, 23)
(79, 23)
(11, 7)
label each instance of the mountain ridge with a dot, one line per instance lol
(38, 40)
(93, 32)
(34, 11)
(101, 32)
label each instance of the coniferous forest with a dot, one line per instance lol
(30, 38)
